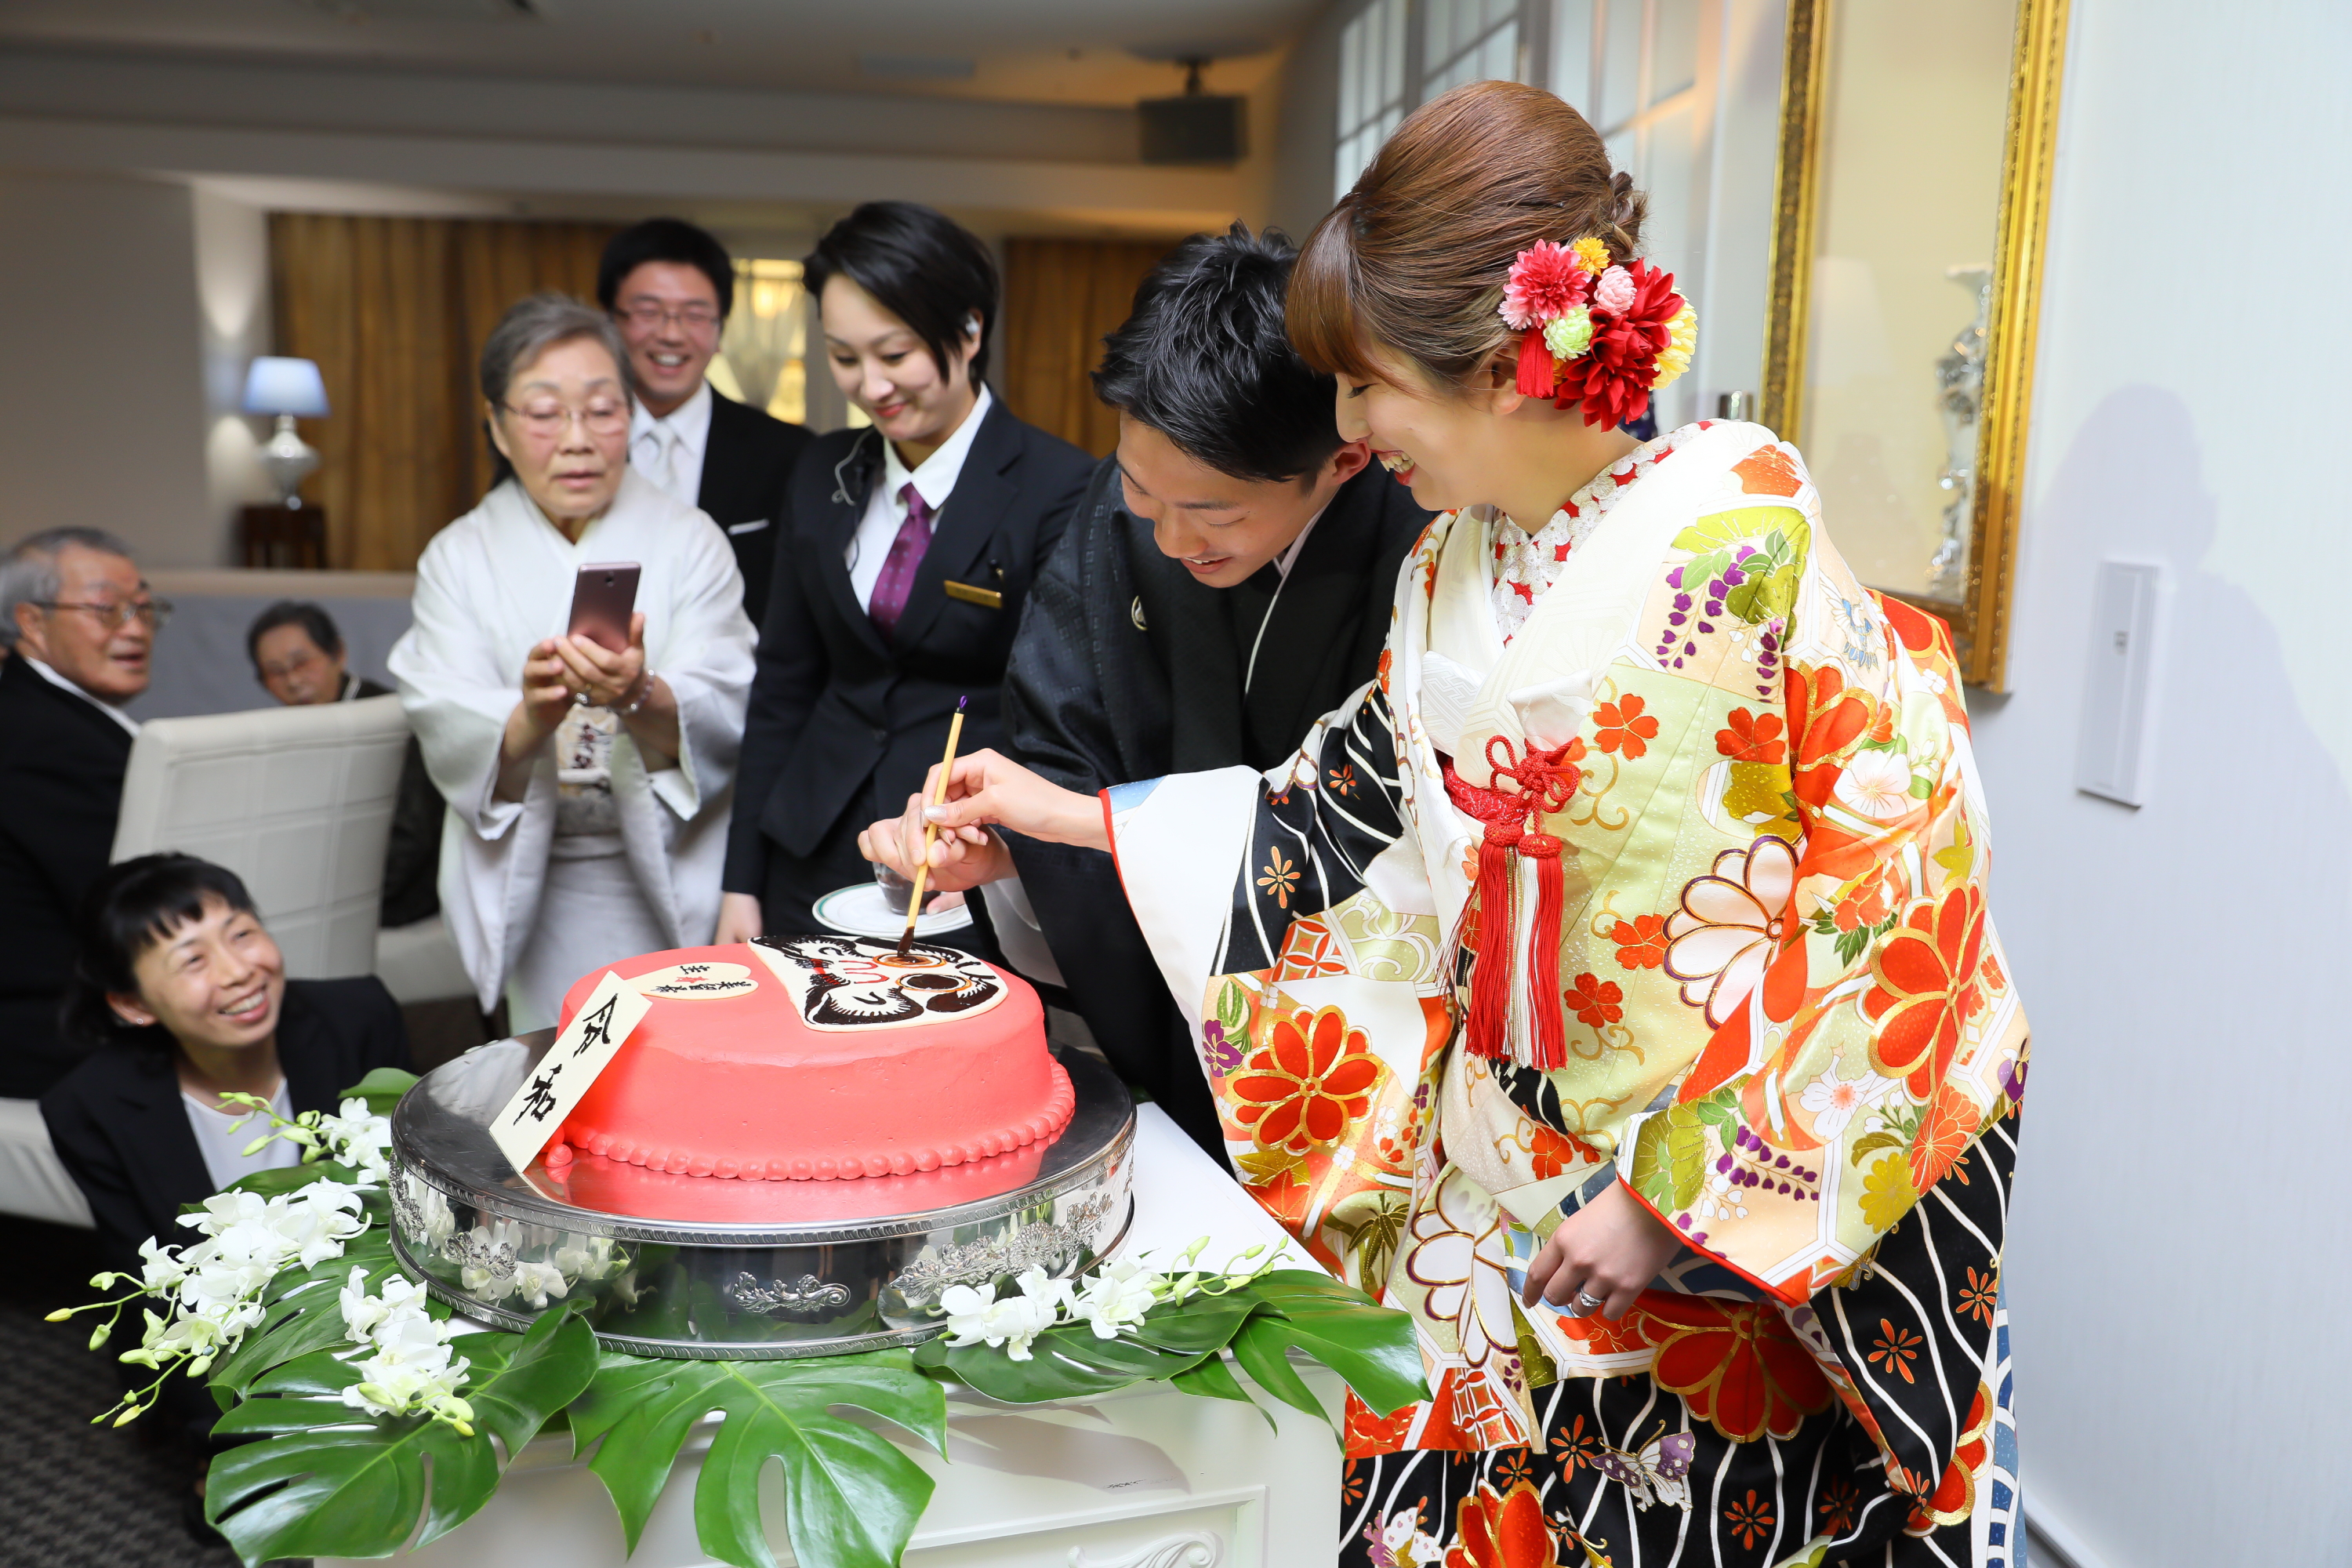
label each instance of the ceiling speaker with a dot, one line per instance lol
(1197, 128)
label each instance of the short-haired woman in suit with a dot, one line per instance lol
(908, 549)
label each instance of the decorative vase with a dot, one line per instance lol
(286, 458)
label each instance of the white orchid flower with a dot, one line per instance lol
(966, 1314)
(594, 1261)
(362, 1311)
(535, 1282)
(161, 1268)
(1116, 1297)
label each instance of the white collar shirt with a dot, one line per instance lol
(1289, 558)
(62, 684)
(934, 479)
(669, 450)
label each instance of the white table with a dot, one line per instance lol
(1147, 1479)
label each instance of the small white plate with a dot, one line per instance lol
(860, 910)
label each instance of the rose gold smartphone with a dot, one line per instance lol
(601, 601)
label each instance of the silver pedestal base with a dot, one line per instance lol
(794, 1268)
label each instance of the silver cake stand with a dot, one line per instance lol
(769, 1269)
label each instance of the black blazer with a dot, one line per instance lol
(61, 764)
(834, 705)
(122, 1129)
(747, 469)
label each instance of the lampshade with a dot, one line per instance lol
(279, 386)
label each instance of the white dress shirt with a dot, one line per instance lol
(223, 1137)
(62, 684)
(934, 479)
(669, 450)
(1283, 563)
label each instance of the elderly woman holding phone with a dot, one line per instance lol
(586, 747)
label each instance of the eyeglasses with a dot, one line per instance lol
(291, 664)
(647, 316)
(154, 612)
(550, 419)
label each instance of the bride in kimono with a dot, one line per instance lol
(1609, 983)
(588, 790)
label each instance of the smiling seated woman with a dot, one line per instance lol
(180, 997)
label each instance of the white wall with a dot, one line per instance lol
(103, 408)
(2177, 1266)
(233, 294)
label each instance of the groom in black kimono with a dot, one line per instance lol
(1225, 583)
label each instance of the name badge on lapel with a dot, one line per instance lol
(986, 598)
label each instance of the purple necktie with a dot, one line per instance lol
(890, 589)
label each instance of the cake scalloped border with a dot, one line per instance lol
(1060, 1106)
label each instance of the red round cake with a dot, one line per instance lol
(819, 1059)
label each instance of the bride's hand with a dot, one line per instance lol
(1608, 1251)
(961, 858)
(987, 789)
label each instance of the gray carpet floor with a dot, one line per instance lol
(74, 1495)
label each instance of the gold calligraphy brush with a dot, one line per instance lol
(932, 830)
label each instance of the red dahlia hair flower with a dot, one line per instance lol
(1613, 377)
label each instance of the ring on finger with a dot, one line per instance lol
(1584, 1306)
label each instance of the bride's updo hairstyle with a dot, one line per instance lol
(1409, 266)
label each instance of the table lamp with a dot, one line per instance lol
(291, 389)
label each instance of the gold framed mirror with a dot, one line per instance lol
(1913, 197)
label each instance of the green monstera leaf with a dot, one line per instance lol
(1369, 1346)
(332, 1481)
(854, 1496)
(382, 1089)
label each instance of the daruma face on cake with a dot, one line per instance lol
(819, 1059)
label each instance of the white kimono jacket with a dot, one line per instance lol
(491, 585)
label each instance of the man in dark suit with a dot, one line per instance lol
(80, 625)
(670, 285)
(1225, 583)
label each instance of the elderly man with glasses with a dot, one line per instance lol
(80, 625)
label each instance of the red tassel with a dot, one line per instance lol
(1543, 969)
(1538, 371)
(1488, 1031)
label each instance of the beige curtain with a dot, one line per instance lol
(1062, 297)
(395, 311)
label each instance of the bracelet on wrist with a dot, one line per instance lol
(629, 709)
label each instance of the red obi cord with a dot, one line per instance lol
(1527, 787)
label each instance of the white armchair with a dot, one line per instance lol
(296, 800)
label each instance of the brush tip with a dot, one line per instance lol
(960, 702)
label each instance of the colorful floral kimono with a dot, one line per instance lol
(1655, 854)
